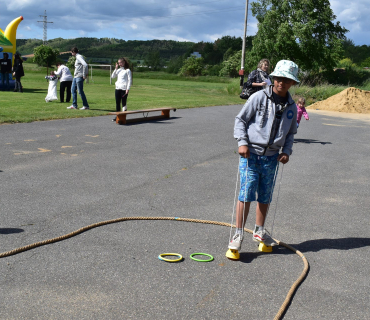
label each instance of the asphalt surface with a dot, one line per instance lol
(58, 176)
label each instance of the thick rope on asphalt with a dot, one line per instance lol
(283, 307)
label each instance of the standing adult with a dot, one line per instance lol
(124, 79)
(6, 69)
(18, 72)
(259, 79)
(66, 79)
(80, 74)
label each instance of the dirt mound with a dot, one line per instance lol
(351, 100)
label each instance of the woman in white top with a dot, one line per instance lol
(123, 83)
(65, 81)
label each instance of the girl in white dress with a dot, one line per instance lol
(52, 90)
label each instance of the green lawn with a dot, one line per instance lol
(148, 91)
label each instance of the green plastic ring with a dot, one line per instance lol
(201, 254)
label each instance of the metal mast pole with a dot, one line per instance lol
(241, 71)
(45, 22)
(45, 39)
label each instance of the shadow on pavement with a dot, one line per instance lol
(10, 230)
(310, 141)
(311, 246)
(338, 244)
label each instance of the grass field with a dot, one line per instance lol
(147, 91)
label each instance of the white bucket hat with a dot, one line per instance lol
(286, 69)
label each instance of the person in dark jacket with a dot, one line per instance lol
(259, 79)
(6, 69)
(18, 72)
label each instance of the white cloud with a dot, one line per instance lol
(133, 26)
(28, 28)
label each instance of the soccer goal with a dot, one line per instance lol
(99, 65)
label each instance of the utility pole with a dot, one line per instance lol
(241, 71)
(45, 22)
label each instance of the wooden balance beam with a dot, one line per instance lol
(121, 116)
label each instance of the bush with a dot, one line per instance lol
(348, 76)
(230, 67)
(29, 60)
(345, 63)
(192, 67)
(212, 70)
(366, 63)
(175, 64)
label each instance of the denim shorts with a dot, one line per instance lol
(257, 175)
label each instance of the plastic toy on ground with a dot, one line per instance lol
(263, 248)
(162, 255)
(233, 254)
(201, 254)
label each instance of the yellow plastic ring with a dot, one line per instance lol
(160, 257)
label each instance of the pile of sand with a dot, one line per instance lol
(350, 100)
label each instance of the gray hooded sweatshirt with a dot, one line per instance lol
(81, 67)
(254, 123)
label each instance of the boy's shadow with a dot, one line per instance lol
(310, 141)
(311, 246)
(10, 230)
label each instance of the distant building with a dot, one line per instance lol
(196, 55)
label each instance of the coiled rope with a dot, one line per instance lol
(283, 307)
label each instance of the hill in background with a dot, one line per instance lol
(104, 49)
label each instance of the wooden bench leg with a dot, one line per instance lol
(121, 119)
(166, 113)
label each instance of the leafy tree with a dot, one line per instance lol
(153, 60)
(345, 63)
(175, 64)
(366, 63)
(45, 55)
(356, 53)
(299, 30)
(231, 66)
(192, 67)
(71, 62)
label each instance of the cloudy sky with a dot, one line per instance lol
(187, 20)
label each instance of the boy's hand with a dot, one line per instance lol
(283, 158)
(244, 151)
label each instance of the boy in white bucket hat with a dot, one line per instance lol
(266, 124)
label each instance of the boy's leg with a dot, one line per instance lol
(242, 209)
(259, 232)
(74, 93)
(261, 213)
(268, 167)
(248, 187)
(80, 86)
